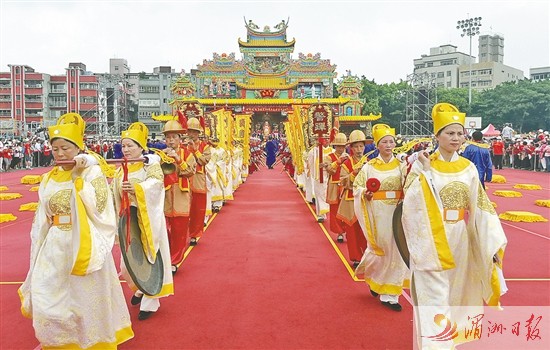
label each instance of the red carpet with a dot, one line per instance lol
(264, 276)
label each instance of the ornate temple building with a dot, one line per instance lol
(267, 81)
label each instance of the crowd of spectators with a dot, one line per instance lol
(35, 152)
(24, 154)
(530, 151)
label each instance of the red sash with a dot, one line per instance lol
(335, 178)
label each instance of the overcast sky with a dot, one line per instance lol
(377, 39)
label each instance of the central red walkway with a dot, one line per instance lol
(264, 276)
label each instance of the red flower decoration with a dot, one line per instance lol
(373, 184)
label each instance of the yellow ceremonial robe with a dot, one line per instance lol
(452, 232)
(72, 291)
(148, 181)
(382, 266)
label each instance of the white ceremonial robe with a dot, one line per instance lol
(237, 167)
(72, 291)
(319, 189)
(382, 265)
(452, 232)
(216, 172)
(228, 175)
(148, 181)
(308, 184)
(210, 172)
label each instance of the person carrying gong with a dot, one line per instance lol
(377, 189)
(145, 189)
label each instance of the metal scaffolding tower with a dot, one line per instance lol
(420, 99)
(113, 116)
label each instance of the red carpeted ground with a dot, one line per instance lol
(264, 276)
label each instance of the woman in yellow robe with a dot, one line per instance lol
(145, 188)
(455, 238)
(382, 266)
(72, 291)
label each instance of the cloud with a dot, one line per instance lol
(373, 38)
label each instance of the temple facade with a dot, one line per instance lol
(267, 81)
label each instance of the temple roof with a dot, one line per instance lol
(253, 30)
(265, 101)
(359, 118)
(265, 42)
(256, 83)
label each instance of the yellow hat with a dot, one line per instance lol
(340, 139)
(70, 127)
(194, 124)
(381, 130)
(173, 126)
(357, 136)
(137, 132)
(444, 114)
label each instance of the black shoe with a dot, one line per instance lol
(193, 242)
(174, 269)
(216, 209)
(340, 238)
(355, 264)
(320, 220)
(374, 294)
(143, 315)
(136, 300)
(394, 307)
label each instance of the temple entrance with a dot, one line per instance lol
(268, 123)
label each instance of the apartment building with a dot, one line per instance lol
(153, 94)
(487, 75)
(450, 68)
(30, 100)
(442, 65)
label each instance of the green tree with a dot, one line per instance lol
(392, 102)
(525, 104)
(371, 95)
(457, 97)
(388, 99)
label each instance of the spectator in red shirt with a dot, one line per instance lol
(8, 154)
(516, 152)
(47, 154)
(526, 156)
(546, 154)
(105, 149)
(27, 154)
(498, 152)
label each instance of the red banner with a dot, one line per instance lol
(191, 110)
(266, 108)
(320, 120)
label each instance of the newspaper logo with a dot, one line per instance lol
(449, 333)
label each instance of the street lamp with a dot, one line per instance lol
(469, 27)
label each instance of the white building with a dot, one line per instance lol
(450, 68)
(442, 65)
(153, 94)
(539, 73)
